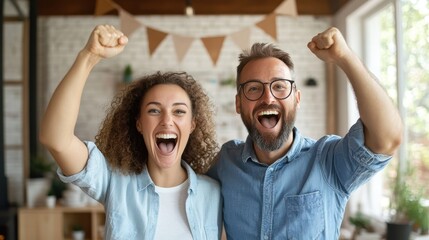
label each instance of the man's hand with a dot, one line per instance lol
(329, 46)
(106, 41)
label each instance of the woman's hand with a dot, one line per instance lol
(105, 42)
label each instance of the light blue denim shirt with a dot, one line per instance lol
(131, 203)
(301, 195)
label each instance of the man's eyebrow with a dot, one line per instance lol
(270, 80)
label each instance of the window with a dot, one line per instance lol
(403, 73)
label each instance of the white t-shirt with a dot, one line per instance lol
(172, 221)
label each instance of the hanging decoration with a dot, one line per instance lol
(268, 25)
(155, 38)
(181, 45)
(104, 6)
(213, 45)
(128, 23)
(287, 8)
(241, 38)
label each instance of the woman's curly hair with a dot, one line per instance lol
(123, 146)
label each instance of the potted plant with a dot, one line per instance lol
(40, 167)
(128, 74)
(38, 184)
(360, 222)
(77, 232)
(55, 191)
(408, 213)
(57, 187)
(51, 199)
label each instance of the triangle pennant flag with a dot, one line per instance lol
(155, 38)
(287, 7)
(181, 45)
(241, 38)
(213, 46)
(268, 25)
(128, 23)
(103, 6)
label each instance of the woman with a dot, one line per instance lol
(143, 167)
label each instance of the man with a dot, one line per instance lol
(281, 185)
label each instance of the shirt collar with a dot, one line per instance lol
(249, 152)
(144, 180)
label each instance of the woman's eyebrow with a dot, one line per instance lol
(174, 104)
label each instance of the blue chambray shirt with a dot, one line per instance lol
(131, 203)
(301, 195)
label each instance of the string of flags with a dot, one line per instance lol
(182, 43)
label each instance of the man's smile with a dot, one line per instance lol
(268, 118)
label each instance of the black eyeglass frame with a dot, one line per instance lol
(241, 86)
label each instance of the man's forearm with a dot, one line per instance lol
(383, 125)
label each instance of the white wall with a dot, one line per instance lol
(60, 39)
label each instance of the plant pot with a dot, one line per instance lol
(398, 231)
(51, 201)
(78, 235)
(36, 191)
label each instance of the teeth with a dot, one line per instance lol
(166, 136)
(268, 113)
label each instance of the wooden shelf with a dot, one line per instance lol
(56, 223)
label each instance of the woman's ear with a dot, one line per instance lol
(138, 127)
(193, 125)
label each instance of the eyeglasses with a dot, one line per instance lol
(279, 88)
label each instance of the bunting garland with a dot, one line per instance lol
(155, 37)
(268, 25)
(128, 23)
(287, 8)
(213, 46)
(182, 44)
(241, 38)
(103, 7)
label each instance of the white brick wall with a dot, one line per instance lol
(60, 39)
(13, 107)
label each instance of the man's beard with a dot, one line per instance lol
(271, 142)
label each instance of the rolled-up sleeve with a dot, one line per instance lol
(94, 177)
(347, 162)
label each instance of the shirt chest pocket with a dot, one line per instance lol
(304, 216)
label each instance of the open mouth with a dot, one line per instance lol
(269, 118)
(166, 142)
